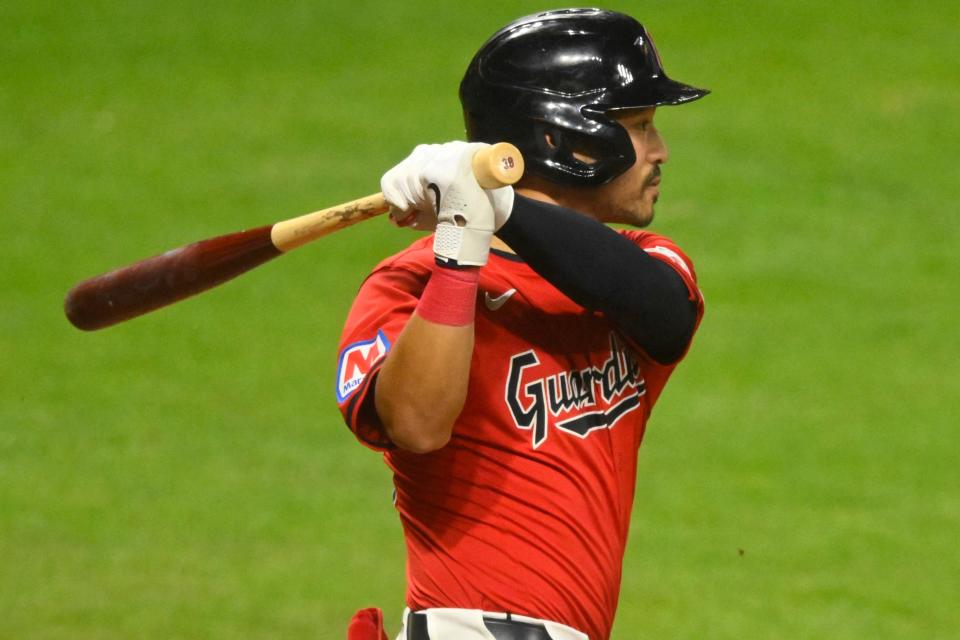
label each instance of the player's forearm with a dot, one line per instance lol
(601, 270)
(422, 385)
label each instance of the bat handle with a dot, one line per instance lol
(497, 165)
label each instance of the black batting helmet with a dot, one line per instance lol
(547, 83)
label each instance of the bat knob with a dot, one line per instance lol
(498, 165)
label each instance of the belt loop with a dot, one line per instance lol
(417, 628)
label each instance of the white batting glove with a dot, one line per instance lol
(405, 186)
(502, 202)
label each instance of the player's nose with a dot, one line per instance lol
(657, 152)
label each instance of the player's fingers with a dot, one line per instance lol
(395, 198)
(391, 184)
(403, 218)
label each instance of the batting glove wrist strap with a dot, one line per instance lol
(461, 246)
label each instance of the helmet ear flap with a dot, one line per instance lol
(572, 152)
(560, 147)
(552, 143)
(553, 147)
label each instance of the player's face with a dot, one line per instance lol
(630, 197)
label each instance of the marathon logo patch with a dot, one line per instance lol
(356, 361)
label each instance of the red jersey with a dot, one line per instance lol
(526, 510)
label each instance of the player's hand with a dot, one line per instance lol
(406, 186)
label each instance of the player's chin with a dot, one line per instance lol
(642, 215)
(648, 208)
(645, 219)
(635, 218)
(635, 213)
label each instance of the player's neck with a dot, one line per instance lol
(536, 194)
(567, 198)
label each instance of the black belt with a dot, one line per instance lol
(499, 628)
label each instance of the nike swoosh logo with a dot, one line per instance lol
(495, 303)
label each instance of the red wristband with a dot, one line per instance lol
(450, 296)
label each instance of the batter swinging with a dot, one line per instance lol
(506, 366)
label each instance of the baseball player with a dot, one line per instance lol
(506, 366)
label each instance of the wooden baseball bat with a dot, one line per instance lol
(156, 282)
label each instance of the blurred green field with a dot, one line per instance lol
(186, 475)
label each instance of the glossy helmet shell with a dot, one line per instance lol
(548, 83)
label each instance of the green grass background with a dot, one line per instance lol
(186, 475)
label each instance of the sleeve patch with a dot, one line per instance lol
(672, 256)
(356, 361)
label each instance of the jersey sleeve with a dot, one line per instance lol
(383, 306)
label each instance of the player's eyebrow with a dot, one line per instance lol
(632, 116)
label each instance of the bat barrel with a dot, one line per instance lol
(164, 279)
